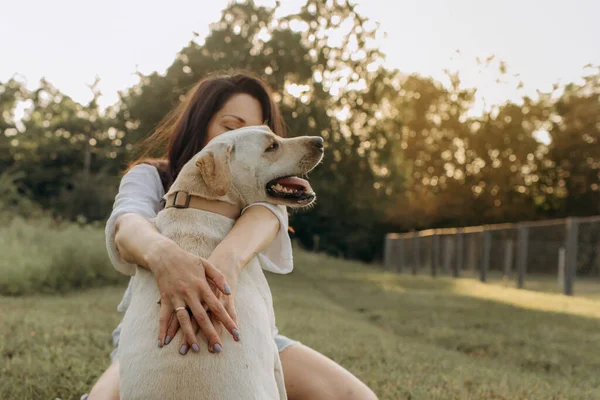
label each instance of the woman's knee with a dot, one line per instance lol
(310, 375)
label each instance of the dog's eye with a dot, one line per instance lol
(272, 147)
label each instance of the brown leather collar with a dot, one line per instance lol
(181, 199)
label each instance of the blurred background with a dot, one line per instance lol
(435, 114)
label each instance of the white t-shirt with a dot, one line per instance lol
(141, 192)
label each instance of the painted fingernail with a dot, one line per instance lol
(227, 289)
(159, 343)
(236, 334)
(168, 339)
(217, 348)
(183, 349)
(195, 348)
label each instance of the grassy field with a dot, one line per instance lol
(588, 287)
(407, 337)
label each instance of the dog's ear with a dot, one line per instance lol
(215, 168)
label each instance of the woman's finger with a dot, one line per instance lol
(205, 324)
(163, 322)
(214, 289)
(172, 329)
(216, 307)
(230, 307)
(188, 331)
(219, 328)
(195, 327)
(217, 277)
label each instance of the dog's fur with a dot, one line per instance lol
(233, 167)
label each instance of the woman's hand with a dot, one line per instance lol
(184, 281)
(230, 270)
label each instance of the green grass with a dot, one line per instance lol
(39, 256)
(588, 287)
(406, 337)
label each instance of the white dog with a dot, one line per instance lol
(241, 167)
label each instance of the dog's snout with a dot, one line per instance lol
(317, 142)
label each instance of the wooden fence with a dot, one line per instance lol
(472, 247)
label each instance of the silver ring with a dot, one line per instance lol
(179, 308)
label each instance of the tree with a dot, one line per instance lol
(573, 172)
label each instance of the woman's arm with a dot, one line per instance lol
(251, 234)
(138, 241)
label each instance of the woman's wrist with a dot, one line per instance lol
(227, 260)
(154, 257)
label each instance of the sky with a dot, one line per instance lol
(70, 42)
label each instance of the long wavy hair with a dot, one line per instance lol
(182, 132)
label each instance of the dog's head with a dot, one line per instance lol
(253, 164)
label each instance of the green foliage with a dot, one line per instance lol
(44, 256)
(87, 197)
(402, 151)
(14, 199)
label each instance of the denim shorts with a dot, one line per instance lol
(281, 341)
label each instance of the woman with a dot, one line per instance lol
(214, 106)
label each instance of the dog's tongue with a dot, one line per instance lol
(293, 182)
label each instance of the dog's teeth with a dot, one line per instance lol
(286, 190)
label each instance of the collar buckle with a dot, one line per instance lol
(176, 204)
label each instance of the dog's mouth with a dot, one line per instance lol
(291, 189)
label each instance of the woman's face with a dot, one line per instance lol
(239, 111)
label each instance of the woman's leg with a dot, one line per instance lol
(107, 387)
(309, 375)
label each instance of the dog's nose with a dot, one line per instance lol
(317, 141)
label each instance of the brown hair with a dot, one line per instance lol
(184, 129)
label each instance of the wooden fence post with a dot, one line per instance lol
(522, 255)
(415, 243)
(561, 269)
(508, 257)
(472, 253)
(459, 254)
(388, 252)
(572, 232)
(447, 253)
(435, 253)
(485, 262)
(399, 257)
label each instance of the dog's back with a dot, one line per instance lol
(249, 369)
